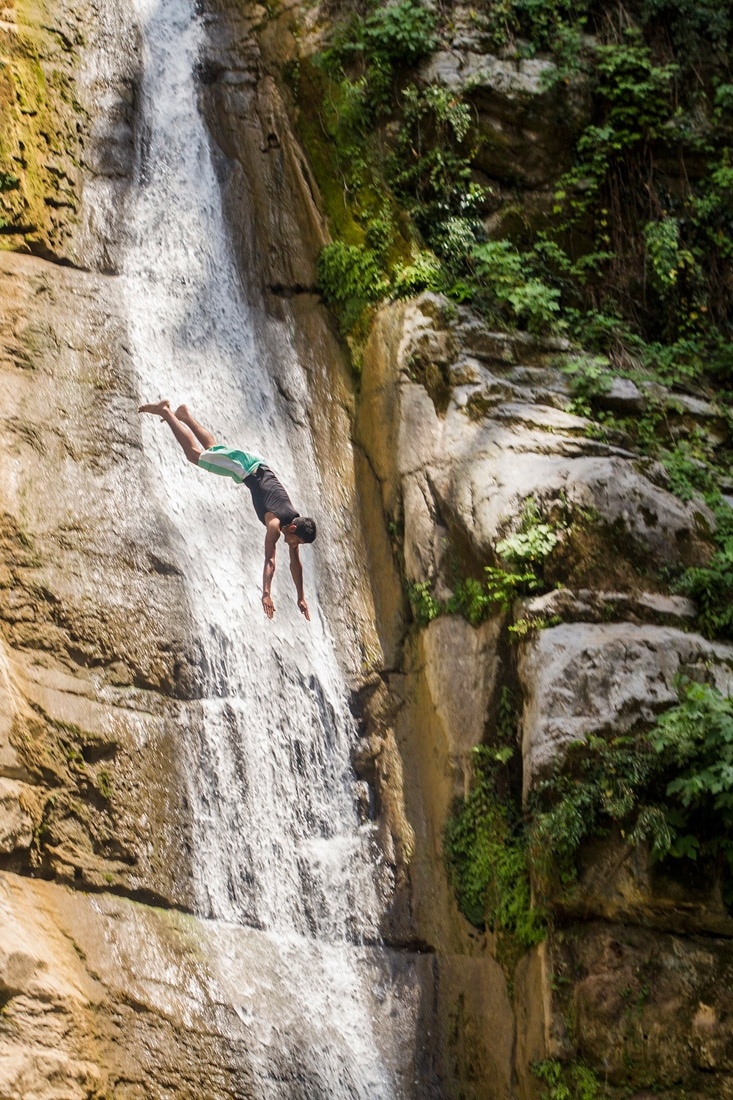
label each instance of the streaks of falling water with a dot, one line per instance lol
(277, 841)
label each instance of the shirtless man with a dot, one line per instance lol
(271, 503)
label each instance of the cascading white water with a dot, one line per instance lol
(278, 844)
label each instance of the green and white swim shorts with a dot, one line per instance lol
(229, 463)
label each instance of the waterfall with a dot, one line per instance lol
(278, 844)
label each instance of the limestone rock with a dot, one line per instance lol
(621, 883)
(525, 120)
(278, 198)
(463, 479)
(105, 997)
(447, 692)
(460, 429)
(581, 679)
(90, 589)
(461, 667)
(623, 396)
(43, 126)
(589, 606)
(646, 1007)
(16, 817)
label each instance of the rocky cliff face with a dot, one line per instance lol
(455, 429)
(91, 656)
(450, 478)
(98, 650)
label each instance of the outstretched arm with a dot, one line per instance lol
(296, 572)
(272, 534)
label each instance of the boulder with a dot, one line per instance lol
(464, 472)
(527, 118)
(582, 679)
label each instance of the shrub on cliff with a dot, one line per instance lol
(670, 788)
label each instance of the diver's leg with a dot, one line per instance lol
(181, 431)
(204, 437)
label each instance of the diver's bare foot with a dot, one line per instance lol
(156, 408)
(181, 412)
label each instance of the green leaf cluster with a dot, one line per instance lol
(398, 33)
(486, 855)
(532, 542)
(430, 170)
(400, 188)
(388, 36)
(572, 1081)
(590, 378)
(700, 29)
(598, 785)
(711, 585)
(424, 605)
(664, 270)
(671, 788)
(522, 554)
(507, 274)
(497, 591)
(350, 278)
(537, 25)
(696, 739)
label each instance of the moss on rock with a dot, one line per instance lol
(40, 137)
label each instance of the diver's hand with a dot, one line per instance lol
(268, 606)
(303, 608)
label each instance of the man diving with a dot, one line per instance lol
(271, 502)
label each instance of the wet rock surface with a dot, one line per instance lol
(43, 125)
(272, 208)
(95, 643)
(102, 996)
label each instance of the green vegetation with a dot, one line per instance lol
(350, 278)
(393, 161)
(711, 586)
(498, 589)
(485, 845)
(424, 605)
(396, 35)
(670, 788)
(632, 259)
(522, 556)
(572, 1081)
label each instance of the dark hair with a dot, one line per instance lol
(305, 528)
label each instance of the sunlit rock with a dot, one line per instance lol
(16, 819)
(583, 679)
(90, 589)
